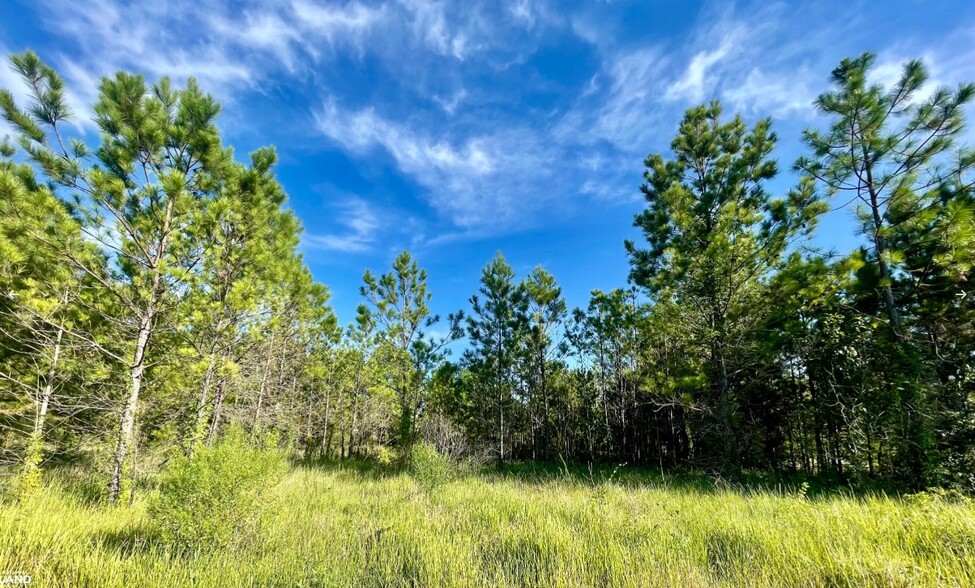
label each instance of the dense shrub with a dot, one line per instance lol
(215, 498)
(386, 456)
(428, 467)
(28, 481)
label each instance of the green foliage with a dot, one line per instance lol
(428, 467)
(497, 329)
(892, 152)
(398, 305)
(934, 496)
(216, 498)
(387, 456)
(714, 234)
(28, 481)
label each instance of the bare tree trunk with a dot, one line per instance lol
(48, 386)
(308, 434)
(127, 425)
(326, 427)
(501, 425)
(126, 437)
(547, 426)
(35, 447)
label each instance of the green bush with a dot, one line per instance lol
(428, 467)
(28, 481)
(215, 498)
(386, 456)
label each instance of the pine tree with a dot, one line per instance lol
(398, 303)
(891, 170)
(889, 150)
(160, 157)
(497, 328)
(714, 233)
(249, 242)
(41, 301)
(546, 312)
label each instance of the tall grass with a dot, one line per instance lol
(347, 527)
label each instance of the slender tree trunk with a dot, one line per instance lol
(48, 386)
(729, 458)
(35, 447)
(869, 450)
(263, 388)
(308, 434)
(327, 428)
(880, 245)
(217, 407)
(501, 423)
(817, 424)
(354, 428)
(126, 438)
(914, 434)
(547, 423)
(201, 409)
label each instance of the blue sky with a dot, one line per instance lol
(459, 128)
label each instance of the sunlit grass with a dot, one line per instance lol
(330, 527)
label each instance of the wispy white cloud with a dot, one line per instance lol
(640, 92)
(450, 104)
(363, 129)
(522, 12)
(226, 48)
(482, 182)
(695, 82)
(336, 24)
(776, 95)
(429, 21)
(360, 225)
(624, 108)
(448, 93)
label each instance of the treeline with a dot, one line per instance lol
(151, 293)
(151, 289)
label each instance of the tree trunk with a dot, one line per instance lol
(880, 244)
(501, 424)
(263, 388)
(201, 409)
(126, 438)
(48, 386)
(326, 427)
(547, 423)
(217, 407)
(35, 447)
(729, 457)
(817, 425)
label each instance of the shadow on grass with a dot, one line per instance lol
(356, 466)
(746, 482)
(78, 483)
(140, 539)
(688, 480)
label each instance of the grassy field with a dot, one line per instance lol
(356, 527)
